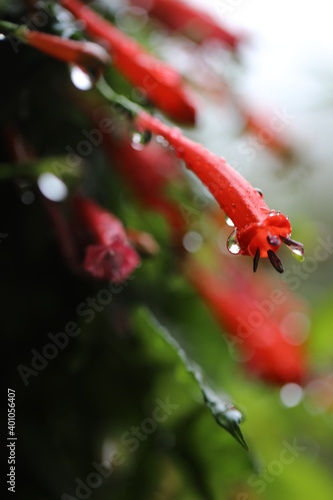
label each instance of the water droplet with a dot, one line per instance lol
(229, 221)
(232, 243)
(192, 241)
(274, 240)
(27, 197)
(160, 139)
(295, 327)
(234, 415)
(291, 395)
(139, 139)
(2, 36)
(297, 253)
(272, 213)
(260, 193)
(52, 187)
(295, 247)
(81, 79)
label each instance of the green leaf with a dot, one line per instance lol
(56, 165)
(224, 413)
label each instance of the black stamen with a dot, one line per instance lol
(291, 243)
(273, 240)
(256, 260)
(275, 261)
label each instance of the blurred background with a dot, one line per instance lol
(148, 375)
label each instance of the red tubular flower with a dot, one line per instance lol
(266, 135)
(259, 231)
(110, 256)
(90, 56)
(162, 84)
(143, 242)
(195, 24)
(265, 348)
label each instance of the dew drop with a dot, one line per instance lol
(260, 193)
(297, 253)
(272, 213)
(139, 139)
(234, 415)
(2, 36)
(52, 187)
(232, 243)
(192, 241)
(27, 197)
(160, 139)
(80, 79)
(229, 221)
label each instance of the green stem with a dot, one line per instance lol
(19, 31)
(34, 168)
(120, 104)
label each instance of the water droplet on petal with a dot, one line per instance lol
(260, 193)
(298, 254)
(232, 243)
(295, 247)
(81, 79)
(2, 36)
(274, 240)
(160, 139)
(272, 213)
(139, 139)
(229, 221)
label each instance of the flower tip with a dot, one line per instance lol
(114, 262)
(185, 112)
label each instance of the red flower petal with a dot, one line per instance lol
(114, 262)
(196, 24)
(91, 56)
(110, 255)
(162, 84)
(254, 221)
(257, 336)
